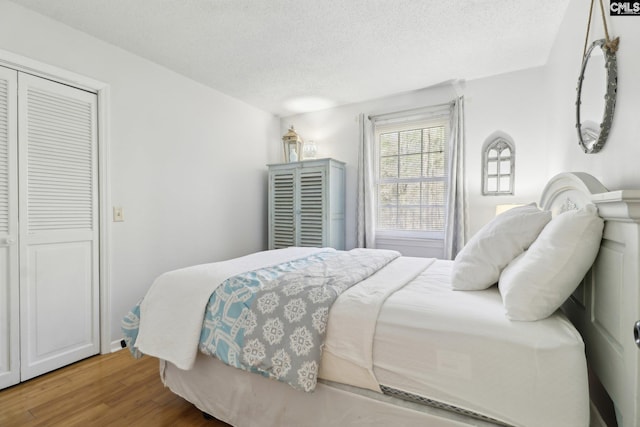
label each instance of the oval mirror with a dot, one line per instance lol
(597, 89)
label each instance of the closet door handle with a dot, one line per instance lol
(636, 333)
(9, 241)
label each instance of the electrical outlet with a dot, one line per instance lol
(118, 214)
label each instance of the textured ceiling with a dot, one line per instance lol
(271, 53)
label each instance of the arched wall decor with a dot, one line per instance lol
(498, 166)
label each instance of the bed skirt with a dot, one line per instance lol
(244, 399)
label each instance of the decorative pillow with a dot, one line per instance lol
(478, 265)
(535, 284)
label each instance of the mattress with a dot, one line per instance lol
(458, 348)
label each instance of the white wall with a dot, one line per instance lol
(187, 163)
(617, 164)
(510, 103)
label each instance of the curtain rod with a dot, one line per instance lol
(411, 111)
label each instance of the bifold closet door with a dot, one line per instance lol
(9, 300)
(58, 210)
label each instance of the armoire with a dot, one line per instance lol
(49, 225)
(307, 204)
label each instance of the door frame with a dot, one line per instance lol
(102, 90)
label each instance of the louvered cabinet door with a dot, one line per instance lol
(59, 288)
(306, 204)
(312, 212)
(9, 289)
(281, 209)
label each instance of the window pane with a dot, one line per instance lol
(409, 194)
(433, 193)
(433, 218)
(389, 167)
(389, 144)
(492, 184)
(433, 164)
(492, 168)
(505, 183)
(387, 218)
(411, 141)
(409, 218)
(506, 152)
(493, 154)
(410, 166)
(505, 167)
(388, 194)
(434, 139)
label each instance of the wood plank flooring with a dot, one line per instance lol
(106, 390)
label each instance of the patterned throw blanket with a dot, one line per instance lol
(273, 320)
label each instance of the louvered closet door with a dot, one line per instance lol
(59, 294)
(282, 221)
(9, 289)
(311, 207)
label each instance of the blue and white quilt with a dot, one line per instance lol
(273, 320)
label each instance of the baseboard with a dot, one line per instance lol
(117, 346)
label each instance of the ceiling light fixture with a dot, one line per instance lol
(305, 104)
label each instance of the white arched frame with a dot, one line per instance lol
(498, 167)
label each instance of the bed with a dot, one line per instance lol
(401, 347)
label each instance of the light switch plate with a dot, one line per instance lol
(118, 214)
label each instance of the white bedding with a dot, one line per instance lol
(348, 351)
(455, 347)
(458, 347)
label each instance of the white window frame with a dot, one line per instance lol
(399, 125)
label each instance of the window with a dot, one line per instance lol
(498, 167)
(411, 178)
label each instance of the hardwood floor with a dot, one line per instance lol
(106, 390)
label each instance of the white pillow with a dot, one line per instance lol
(478, 265)
(535, 284)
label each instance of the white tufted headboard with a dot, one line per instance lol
(606, 306)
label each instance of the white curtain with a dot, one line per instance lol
(366, 237)
(456, 211)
